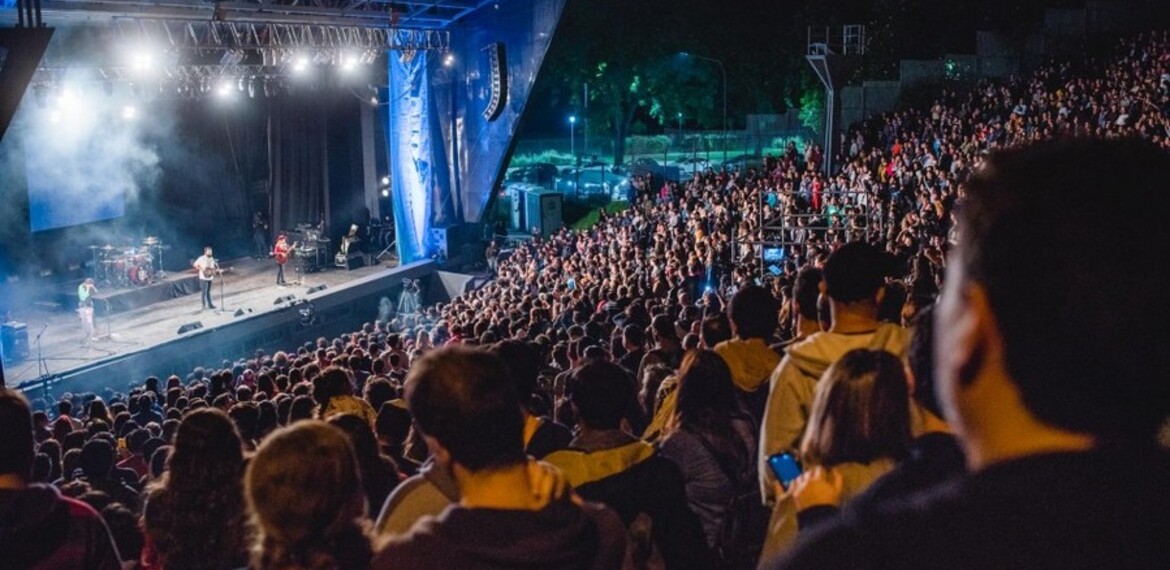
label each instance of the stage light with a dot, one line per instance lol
(385, 181)
(54, 117)
(349, 62)
(374, 101)
(300, 64)
(449, 60)
(225, 89)
(129, 113)
(385, 193)
(141, 62)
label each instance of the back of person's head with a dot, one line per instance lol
(601, 393)
(1082, 320)
(920, 361)
(705, 390)
(97, 459)
(715, 329)
(464, 399)
(378, 391)
(753, 313)
(523, 362)
(393, 423)
(663, 328)
(855, 272)
(207, 453)
(306, 500)
(807, 290)
(860, 411)
(16, 445)
(634, 335)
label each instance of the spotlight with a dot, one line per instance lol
(224, 89)
(374, 101)
(129, 113)
(449, 60)
(349, 62)
(141, 62)
(300, 64)
(385, 192)
(385, 181)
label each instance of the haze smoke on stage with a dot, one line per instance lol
(85, 153)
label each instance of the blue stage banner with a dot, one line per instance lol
(412, 160)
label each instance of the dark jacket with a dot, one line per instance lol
(932, 459)
(41, 529)
(630, 477)
(563, 535)
(1106, 508)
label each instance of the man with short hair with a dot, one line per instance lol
(1054, 382)
(749, 355)
(39, 528)
(470, 414)
(207, 266)
(854, 279)
(607, 464)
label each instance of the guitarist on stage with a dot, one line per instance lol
(207, 267)
(281, 251)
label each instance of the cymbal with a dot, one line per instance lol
(95, 247)
(108, 247)
(151, 240)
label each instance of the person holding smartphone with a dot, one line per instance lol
(859, 426)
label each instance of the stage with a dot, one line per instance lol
(252, 312)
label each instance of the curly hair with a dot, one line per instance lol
(308, 510)
(195, 516)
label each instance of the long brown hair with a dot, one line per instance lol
(195, 515)
(306, 501)
(861, 411)
(705, 408)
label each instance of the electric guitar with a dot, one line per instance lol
(281, 254)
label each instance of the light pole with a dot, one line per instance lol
(573, 136)
(723, 71)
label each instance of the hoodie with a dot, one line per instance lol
(751, 362)
(41, 529)
(428, 493)
(794, 382)
(563, 535)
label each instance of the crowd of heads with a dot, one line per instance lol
(281, 459)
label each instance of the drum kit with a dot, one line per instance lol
(130, 266)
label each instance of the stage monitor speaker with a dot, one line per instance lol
(190, 327)
(353, 260)
(453, 239)
(315, 289)
(15, 341)
(242, 312)
(284, 299)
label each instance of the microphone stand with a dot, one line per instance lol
(42, 365)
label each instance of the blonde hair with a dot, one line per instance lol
(306, 501)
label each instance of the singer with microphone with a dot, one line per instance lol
(85, 293)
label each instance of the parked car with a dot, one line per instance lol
(743, 162)
(541, 174)
(643, 166)
(692, 164)
(596, 180)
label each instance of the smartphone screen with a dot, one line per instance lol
(786, 467)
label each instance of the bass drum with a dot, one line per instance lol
(140, 275)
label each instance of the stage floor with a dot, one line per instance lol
(249, 286)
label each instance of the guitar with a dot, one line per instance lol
(281, 254)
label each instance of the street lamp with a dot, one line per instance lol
(573, 135)
(723, 71)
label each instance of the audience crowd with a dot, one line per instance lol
(613, 398)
